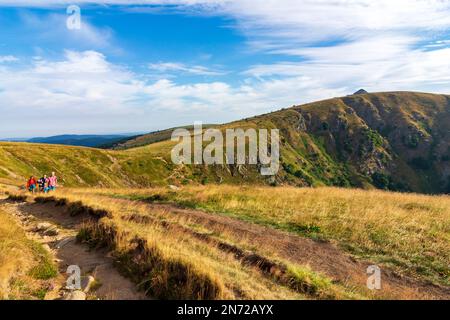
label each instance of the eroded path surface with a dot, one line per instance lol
(324, 257)
(56, 230)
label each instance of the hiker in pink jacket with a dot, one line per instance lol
(52, 182)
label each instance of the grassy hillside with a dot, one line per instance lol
(179, 248)
(265, 242)
(78, 166)
(396, 141)
(237, 237)
(409, 232)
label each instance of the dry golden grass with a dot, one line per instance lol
(198, 259)
(14, 253)
(24, 264)
(408, 231)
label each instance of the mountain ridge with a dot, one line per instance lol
(389, 140)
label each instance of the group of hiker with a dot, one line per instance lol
(44, 184)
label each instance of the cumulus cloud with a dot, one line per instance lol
(88, 80)
(336, 43)
(81, 79)
(86, 90)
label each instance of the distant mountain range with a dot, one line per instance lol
(148, 138)
(87, 140)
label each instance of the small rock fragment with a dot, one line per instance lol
(64, 241)
(75, 295)
(51, 232)
(42, 226)
(86, 283)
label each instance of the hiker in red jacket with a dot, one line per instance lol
(31, 184)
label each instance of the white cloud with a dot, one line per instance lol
(367, 42)
(299, 18)
(83, 81)
(319, 19)
(169, 67)
(51, 28)
(379, 45)
(84, 91)
(387, 65)
(8, 58)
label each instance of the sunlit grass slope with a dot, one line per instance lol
(171, 259)
(24, 264)
(410, 232)
(81, 167)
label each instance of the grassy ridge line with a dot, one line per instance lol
(150, 138)
(87, 167)
(80, 166)
(171, 264)
(409, 232)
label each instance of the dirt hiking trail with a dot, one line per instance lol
(56, 231)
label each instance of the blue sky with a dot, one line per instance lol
(146, 65)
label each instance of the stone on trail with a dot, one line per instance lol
(42, 226)
(86, 283)
(47, 229)
(75, 295)
(64, 241)
(51, 232)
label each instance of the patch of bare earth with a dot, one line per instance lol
(324, 257)
(53, 227)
